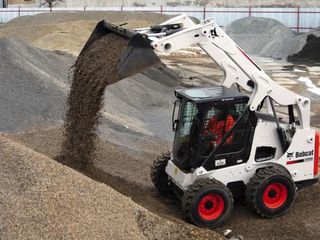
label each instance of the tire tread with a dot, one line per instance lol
(157, 169)
(195, 188)
(254, 183)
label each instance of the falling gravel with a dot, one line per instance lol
(92, 73)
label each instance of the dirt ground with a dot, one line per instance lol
(130, 176)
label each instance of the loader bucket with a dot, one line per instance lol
(138, 55)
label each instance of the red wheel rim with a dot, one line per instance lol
(210, 207)
(275, 195)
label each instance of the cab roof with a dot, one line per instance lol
(210, 94)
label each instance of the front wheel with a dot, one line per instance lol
(207, 203)
(159, 176)
(271, 192)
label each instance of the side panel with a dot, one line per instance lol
(265, 135)
(299, 158)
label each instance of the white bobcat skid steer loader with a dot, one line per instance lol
(226, 143)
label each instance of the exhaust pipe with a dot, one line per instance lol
(138, 56)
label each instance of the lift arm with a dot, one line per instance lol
(238, 67)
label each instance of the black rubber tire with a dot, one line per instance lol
(260, 181)
(196, 192)
(158, 175)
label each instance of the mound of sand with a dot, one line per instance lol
(33, 85)
(110, 159)
(133, 108)
(266, 37)
(116, 17)
(262, 36)
(34, 88)
(70, 31)
(41, 199)
(143, 104)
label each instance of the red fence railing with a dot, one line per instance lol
(298, 19)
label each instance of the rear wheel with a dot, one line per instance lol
(158, 175)
(207, 203)
(271, 192)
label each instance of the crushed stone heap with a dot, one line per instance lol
(33, 85)
(42, 199)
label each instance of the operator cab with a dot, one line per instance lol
(213, 128)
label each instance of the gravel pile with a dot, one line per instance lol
(33, 85)
(309, 53)
(262, 36)
(70, 31)
(130, 176)
(135, 107)
(266, 37)
(41, 199)
(142, 104)
(110, 158)
(116, 17)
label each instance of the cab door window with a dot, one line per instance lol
(218, 121)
